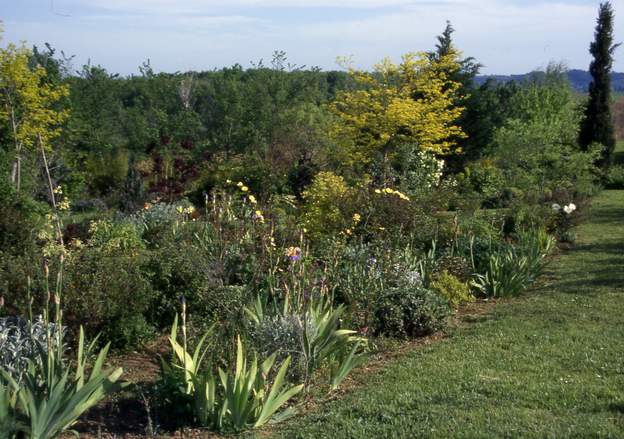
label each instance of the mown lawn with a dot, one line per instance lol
(547, 365)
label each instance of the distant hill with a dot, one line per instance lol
(579, 79)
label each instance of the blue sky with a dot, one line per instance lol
(507, 36)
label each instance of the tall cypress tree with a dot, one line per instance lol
(597, 125)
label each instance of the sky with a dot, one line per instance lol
(506, 36)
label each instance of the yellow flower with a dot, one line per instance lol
(388, 190)
(377, 191)
(244, 188)
(252, 199)
(180, 209)
(240, 184)
(228, 181)
(357, 218)
(348, 231)
(401, 196)
(382, 228)
(63, 204)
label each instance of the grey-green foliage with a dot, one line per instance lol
(21, 341)
(281, 334)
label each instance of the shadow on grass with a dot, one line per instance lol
(601, 247)
(611, 215)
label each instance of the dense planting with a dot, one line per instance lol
(274, 224)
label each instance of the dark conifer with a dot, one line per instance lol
(597, 126)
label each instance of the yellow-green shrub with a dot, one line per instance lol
(326, 209)
(452, 289)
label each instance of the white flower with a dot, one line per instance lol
(556, 207)
(568, 210)
(572, 206)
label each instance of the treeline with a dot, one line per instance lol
(129, 139)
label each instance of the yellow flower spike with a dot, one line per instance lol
(356, 218)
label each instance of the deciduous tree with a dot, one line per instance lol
(27, 104)
(412, 102)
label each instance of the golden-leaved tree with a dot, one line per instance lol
(28, 104)
(413, 102)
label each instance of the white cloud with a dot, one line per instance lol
(507, 36)
(202, 6)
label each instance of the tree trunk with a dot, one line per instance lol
(16, 174)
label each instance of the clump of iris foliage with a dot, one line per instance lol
(275, 222)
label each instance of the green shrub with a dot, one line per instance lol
(182, 266)
(615, 177)
(109, 291)
(457, 266)
(452, 289)
(484, 178)
(408, 311)
(130, 330)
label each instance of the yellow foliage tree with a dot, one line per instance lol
(413, 102)
(27, 104)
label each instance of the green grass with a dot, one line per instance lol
(547, 365)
